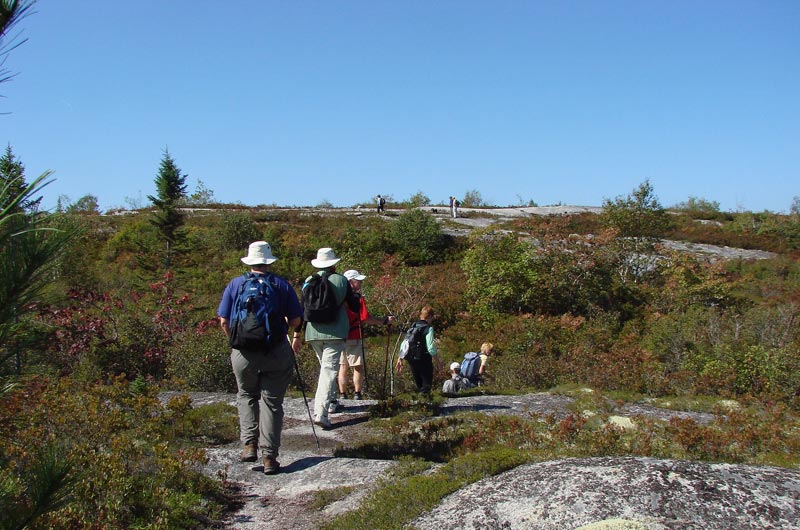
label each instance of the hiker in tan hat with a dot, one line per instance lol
(263, 360)
(324, 295)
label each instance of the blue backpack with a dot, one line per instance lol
(470, 366)
(251, 329)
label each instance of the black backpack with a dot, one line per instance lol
(251, 326)
(319, 299)
(416, 340)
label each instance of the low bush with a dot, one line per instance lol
(126, 467)
(199, 359)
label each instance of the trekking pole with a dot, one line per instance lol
(386, 364)
(305, 400)
(363, 356)
(395, 349)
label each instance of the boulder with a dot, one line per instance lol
(625, 493)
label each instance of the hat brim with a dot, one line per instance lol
(258, 261)
(359, 277)
(325, 263)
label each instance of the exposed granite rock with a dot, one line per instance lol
(591, 494)
(624, 493)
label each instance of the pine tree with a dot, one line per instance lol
(171, 191)
(12, 179)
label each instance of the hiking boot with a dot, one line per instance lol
(323, 421)
(250, 452)
(334, 407)
(357, 396)
(342, 395)
(271, 466)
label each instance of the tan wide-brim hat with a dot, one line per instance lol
(325, 258)
(259, 253)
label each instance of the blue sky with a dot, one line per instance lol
(295, 103)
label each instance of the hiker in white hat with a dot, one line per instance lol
(456, 383)
(261, 356)
(324, 296)
(354, 355)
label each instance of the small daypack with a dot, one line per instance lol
(250, 325)
(470, 366)
(319, 299)
(416, 340)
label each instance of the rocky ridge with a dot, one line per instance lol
(621, 493)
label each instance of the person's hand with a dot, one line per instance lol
(389, 320)
(399, 366)
(297, 344)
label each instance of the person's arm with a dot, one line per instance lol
(368, 319)
(294, 328)
(224, 309)
(484, 362)
(429, 340)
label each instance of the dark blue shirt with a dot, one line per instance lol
(287, 304)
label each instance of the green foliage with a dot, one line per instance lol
(417, 238)
(699, 208)
(507, 274)
(11, 12)
(200, 360)
(498, 274)
(473, 199)
(238, 230)
(639, 214)
(134, 472)
(29, 250)
(170, 192)
(414, 492)
(26, 499)
(202, 196)
(12, 182)
(418, 199)
(86, 205)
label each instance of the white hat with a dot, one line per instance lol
(325, 258)
(259, 253)
(353, 275)
(454, 365)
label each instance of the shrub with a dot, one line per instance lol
(128, 470)
(238, 230)
(418, 199)
(507, 274)
(199, 359)
(417, 238)
(640, 214)
(473, 199)
(699, 208)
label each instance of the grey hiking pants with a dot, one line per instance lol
(262, 380)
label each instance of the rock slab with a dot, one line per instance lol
(634, 493)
